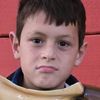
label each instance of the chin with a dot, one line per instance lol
(47, 87)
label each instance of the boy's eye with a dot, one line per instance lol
(37, 41)
(63, 44)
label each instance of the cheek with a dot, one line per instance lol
(69, 58)
(67, 67)
(28, 57)
(28, 52)
(68, 61)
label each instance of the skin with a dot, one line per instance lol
(47, 52)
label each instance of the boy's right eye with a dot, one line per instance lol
(37, 41)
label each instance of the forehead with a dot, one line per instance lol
(39, 24)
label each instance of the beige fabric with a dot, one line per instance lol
(10, 91)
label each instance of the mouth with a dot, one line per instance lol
(46, 69)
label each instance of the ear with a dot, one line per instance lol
(15, 44)
(81, 54)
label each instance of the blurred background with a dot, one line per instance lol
(88, 72)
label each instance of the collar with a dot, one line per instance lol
(16, 77)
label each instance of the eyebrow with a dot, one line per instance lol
(40, 33)
(44, 34)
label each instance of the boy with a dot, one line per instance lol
(49, 42)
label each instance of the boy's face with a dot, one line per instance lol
(47, 53)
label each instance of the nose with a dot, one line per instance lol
(48, 53)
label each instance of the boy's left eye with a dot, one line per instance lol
(63, 43)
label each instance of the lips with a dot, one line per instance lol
(46, 69)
